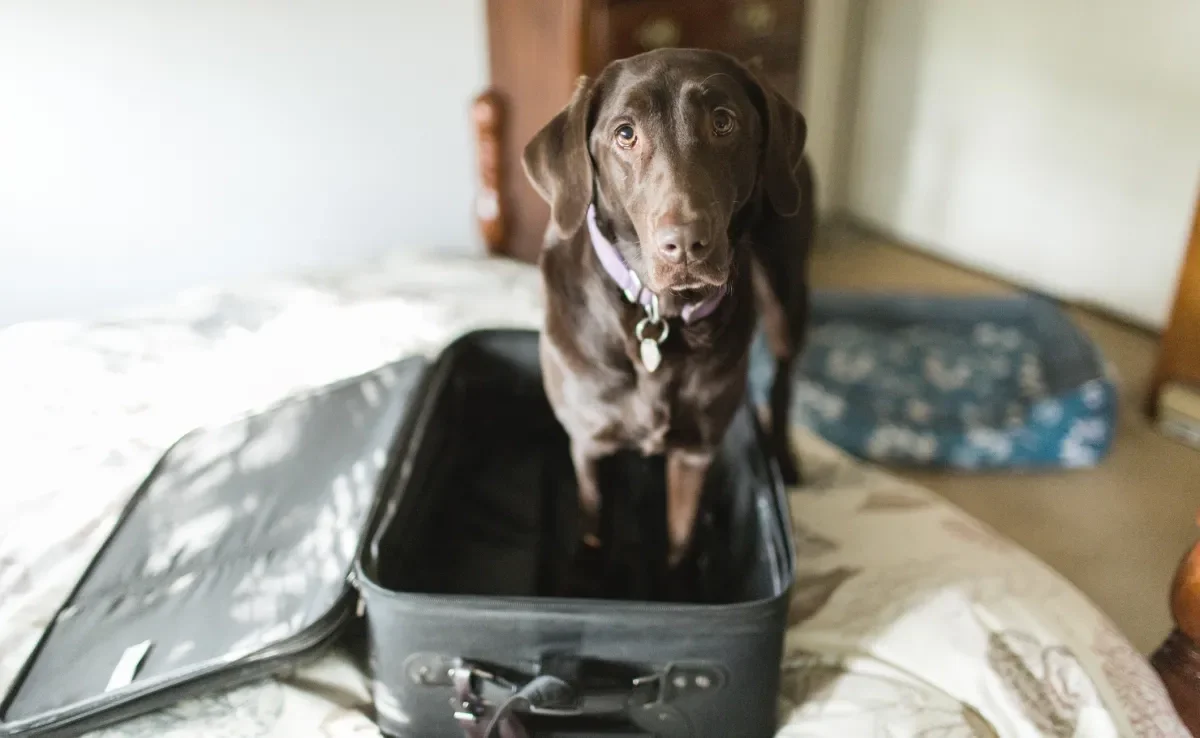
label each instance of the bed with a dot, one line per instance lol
(908, 616)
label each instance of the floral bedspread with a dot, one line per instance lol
(909, 618)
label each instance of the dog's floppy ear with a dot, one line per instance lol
(783, 147)
(558, 163)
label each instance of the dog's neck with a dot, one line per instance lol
(633, 285)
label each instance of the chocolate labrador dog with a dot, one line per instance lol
(681, 213)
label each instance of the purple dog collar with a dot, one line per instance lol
(628, 280)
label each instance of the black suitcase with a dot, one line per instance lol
(453, 570)
(440, 499)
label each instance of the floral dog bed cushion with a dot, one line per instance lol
(909, 617)
(965, 382)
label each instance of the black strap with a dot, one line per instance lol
(488, 698)
(540, 693)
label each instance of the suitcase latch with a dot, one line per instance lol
(652, 706)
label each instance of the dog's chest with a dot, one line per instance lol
(650, 411)
(647, 409)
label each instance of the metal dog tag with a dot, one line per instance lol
(649, 347)
(651, 356)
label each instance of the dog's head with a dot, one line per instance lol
(670, 145)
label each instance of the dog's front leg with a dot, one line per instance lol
(686, 471)
(586, 459)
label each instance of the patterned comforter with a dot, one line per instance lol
(909, 618)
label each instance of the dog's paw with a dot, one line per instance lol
(675, 556)
(585, 573)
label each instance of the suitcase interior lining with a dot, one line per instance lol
(490, 507)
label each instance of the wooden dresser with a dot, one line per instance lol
(538, 48)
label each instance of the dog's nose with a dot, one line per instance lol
(680, 241)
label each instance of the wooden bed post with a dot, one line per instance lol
(534, 56)
(1177, 660)
(490, 205)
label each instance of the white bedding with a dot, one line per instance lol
(910, 618)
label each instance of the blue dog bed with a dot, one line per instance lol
(970, 383)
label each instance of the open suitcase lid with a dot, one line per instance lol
(232, 560)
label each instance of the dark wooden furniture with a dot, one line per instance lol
(539, 48)
(1178, 659)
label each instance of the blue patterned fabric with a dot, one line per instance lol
(972, 383)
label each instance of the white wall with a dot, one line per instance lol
(147, 145)
(832, 59)
(1053, 143)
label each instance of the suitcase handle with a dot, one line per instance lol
(488, 697)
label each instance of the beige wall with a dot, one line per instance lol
(832, 56)
(146, 146)
(1053, 143)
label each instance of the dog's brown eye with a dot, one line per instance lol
(626, 137)
(722, 122)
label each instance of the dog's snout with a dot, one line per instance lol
(678, 242)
